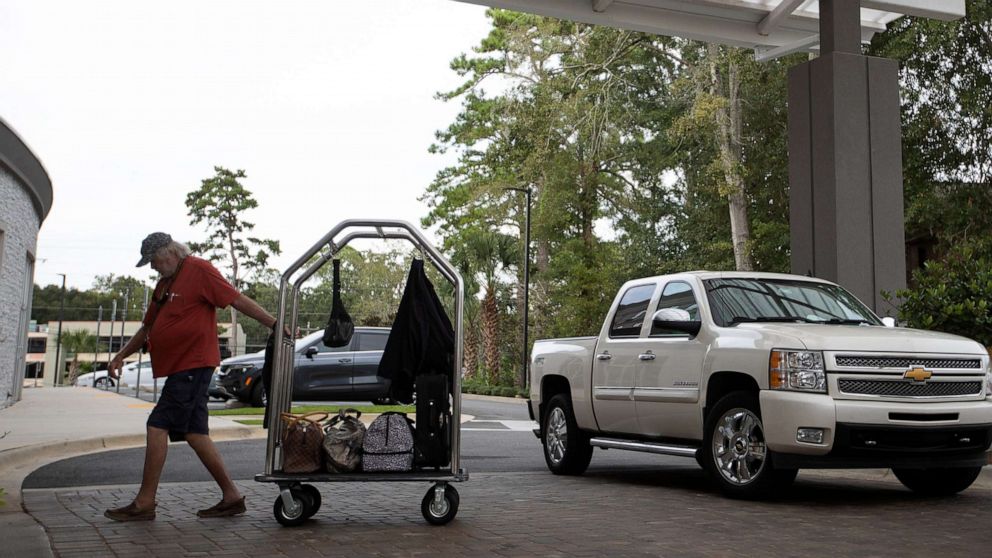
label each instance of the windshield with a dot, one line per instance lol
(750, 299)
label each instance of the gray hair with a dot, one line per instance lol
(177, 249)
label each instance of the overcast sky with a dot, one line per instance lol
(327, 105)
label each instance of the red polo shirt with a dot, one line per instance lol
(184, 334)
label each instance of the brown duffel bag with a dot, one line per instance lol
(303, 443)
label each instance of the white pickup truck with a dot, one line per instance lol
(757, 375)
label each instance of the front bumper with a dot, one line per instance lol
(234, 385)
(876, 433)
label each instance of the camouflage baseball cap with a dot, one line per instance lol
(151, 244)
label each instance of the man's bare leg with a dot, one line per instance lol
(208, 454)
(156, 449)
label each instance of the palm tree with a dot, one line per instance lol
(75, 342)
(486, 254)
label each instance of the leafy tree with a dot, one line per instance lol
(946, 76)
(219, 205)
(114, 286)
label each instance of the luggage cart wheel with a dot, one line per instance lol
(291, 507)
(313, 496)
(440, 504)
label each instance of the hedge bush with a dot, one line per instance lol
(953, 295)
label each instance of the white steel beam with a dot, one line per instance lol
(946, 10)
(601, 5)
(782, 11)
(765, 54)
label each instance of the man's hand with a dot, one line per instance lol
(114, 367)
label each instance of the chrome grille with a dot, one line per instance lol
(902, 388)
(856, 361)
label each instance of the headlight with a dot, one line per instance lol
(988, 381)
(797, 371)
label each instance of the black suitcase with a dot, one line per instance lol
(432, 438)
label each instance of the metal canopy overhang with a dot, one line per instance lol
(772, 28)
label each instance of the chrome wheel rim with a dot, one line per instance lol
(556, 435)
(739, 450)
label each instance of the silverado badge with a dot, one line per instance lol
(918, 374)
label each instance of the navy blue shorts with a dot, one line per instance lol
(182, 407)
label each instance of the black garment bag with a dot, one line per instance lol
(339, 325)
(421, 341)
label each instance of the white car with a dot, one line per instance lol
(128, 376)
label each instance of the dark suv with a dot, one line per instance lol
(322, 373)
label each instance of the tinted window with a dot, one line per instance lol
(753, 299)
(322, 348)
(630, 314)
(676, 295)
(372, 341)
(36, 345)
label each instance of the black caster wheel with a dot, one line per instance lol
(313, 495)
(440, 513)
(295, 516)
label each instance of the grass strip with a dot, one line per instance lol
(332, 409)
(250, 422)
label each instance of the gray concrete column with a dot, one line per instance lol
(840, 26)
(845, 165)
(845, 174)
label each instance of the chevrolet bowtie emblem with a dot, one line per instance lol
(918, 374)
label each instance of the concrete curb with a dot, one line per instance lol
(18, 457)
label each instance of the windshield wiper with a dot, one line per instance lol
(846, 321)
(783, 319)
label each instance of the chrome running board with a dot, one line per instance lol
(649, 447)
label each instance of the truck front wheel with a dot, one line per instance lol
(937, 482)
(566, 448)
(734, 450)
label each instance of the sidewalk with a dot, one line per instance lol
(50, 424)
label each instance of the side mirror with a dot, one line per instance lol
(310, 352)
(889, 321)
(676, 319)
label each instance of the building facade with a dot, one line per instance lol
(25, 200)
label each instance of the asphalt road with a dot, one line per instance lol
(497, 440)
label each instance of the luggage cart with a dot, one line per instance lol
(299, 500)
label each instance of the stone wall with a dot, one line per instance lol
(19, 226)
(25, 200)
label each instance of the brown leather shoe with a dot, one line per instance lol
(130, 512)
(224, 509)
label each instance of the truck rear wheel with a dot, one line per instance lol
(734, 450)
(938, 482)
(566, 448)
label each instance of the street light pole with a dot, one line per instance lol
(524, 372)
(127, 295)
(57, 378)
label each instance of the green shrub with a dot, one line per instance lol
(953, 295)
(508, 391)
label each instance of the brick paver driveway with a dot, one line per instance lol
(666, 512)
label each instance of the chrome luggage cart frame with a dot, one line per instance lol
(298, 501)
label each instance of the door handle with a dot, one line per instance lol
(646, 356)
(604, 356)
(344, 360)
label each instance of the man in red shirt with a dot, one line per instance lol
(180, 328)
